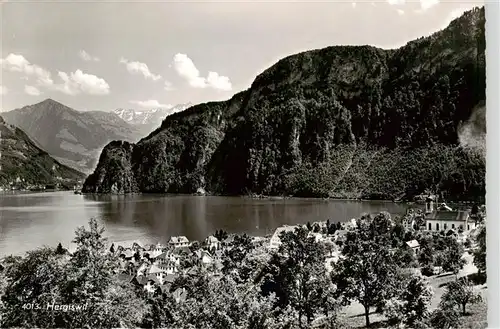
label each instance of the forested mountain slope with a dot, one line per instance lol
(343, 121)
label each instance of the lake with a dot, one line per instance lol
(30, 220)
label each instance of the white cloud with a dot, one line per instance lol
(139, 68)
(3, 90)
(87, 57)
(73, 84)
(219, 82)
(152, 103)
(79, 82)
(186, 69)
(168, 85)
(426, 4)
(17, 63)
(32, 91)
(396, 2)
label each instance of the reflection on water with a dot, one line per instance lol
(28, 221)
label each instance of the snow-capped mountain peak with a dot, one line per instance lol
(149, 117)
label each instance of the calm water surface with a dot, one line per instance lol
(28, 221)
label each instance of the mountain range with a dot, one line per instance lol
(22, 160)
(72, 137)
(341, 122)
(148, 119)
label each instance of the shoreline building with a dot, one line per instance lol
(443, 218)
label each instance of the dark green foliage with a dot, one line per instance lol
(85, 279)
(331, 122)
(296, 274)
(445, 318)
(368, 271)
(60, 250)
(221, 235)
(459, 294)
(440, 250)
(480, 251)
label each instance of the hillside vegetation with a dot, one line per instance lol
(21, 160)
(343, 121)
(74, 138)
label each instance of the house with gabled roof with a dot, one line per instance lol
(204, 257)
(179, 241)
(413, 245)
(439, 220)
(157, 250)
(127, 254)
(212, 242)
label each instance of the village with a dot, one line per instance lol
(158, 266)
(181, 281)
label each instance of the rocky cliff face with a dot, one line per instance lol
(339, 122)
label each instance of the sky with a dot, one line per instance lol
(106, 55)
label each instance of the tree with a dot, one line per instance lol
(90, 278)
(33, 282)
(460, 293)
(296, 274)
(162, 310)
(137, 256)
(221, 235)
(220, 302)
(452, 260)
(367, 272)
(444, 318)
(309, 226)
(60, 250)
(405, 257)
(331, 228)
(480, 251)
(412, 306)
(234, 257)
(195, 246)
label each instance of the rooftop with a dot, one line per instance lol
(412, 244)
(179, 239)
(456, 215)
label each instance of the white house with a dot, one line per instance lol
(318, 237)
(414, 245)
(439, 220)
(204, 257)
(169, 257)
(179, 241)
(212, 242)
(275, 241)
(340, 236)
(157, 250)
(160, 271)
